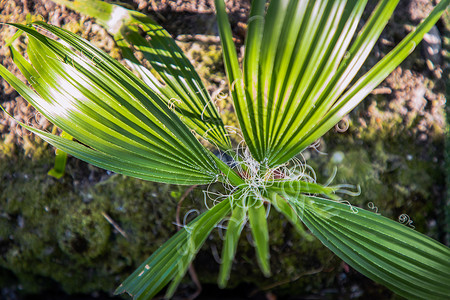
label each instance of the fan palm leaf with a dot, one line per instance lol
(298, 79)
(178, 84)
(105, 106)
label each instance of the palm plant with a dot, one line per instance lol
(297, 81)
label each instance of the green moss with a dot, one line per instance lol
(55, 230)
(84, 232)
(54, 233)
(395, 172)
(208, 62)
(75, 27)
(7, 147)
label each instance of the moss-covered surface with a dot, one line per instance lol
(56, 229)
(54, 234)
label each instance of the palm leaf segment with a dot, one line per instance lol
(407, 262)
(127, 127)
(178, 85)
(298, 63)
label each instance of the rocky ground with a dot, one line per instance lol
(55, 238)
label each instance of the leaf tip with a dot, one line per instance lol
(120, 290)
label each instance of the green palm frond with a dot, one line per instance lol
(180, 86)
(406, 261)
(297, 80)
(298, 65)
(171, 261)
(126, 126)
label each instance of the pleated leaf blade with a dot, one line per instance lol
(336, 101)
(258, 223)
(108, 109)
(300, 58)
(179, 84)
(404, 260)
(235, 226)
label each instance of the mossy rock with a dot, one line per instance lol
(54, 232)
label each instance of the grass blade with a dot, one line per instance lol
(60, 160)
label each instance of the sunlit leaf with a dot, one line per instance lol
(106, 107)
(182, 88)
(60, 160)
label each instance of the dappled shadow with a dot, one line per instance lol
(194, 16)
